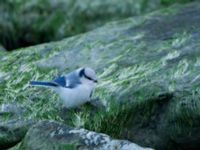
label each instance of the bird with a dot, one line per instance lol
(74, 88)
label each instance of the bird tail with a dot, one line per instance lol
(45, 84)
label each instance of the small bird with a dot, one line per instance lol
(75, 88)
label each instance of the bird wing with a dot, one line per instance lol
(70, 80)
(60, 81)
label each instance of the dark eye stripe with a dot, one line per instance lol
(87, 77)
(82, 73)
(90, 79)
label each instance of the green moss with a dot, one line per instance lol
(136, 62)
(119, 118)
(184, 114)
(69, 147)
(25, 23)
(169, 2)
(16, 85)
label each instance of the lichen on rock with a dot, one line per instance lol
(53, 136)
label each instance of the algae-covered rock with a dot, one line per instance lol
(54, 136)
(24, 23)
(13, 125)
(2, 48)
(13, 110)
(13, 131)
(148, 68)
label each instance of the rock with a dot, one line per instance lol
(2, 48)
(12, 109)
(96, 103)
(25, 23)
(13, 126)
(148, 69)
(13, 131)
(53, 136)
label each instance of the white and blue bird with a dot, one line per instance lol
(75, 88)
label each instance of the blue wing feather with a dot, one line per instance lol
(61, 81)
(71, 80)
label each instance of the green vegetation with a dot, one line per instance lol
(169, 2)
(24, 23)
(149, 77)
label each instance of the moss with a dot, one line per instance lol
(26, 23)
(16, 85)
(185, 114)
(137, 62)
(120, 118)
(169, 2)
(69, 147)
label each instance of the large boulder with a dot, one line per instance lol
(149, 77)
(13, 126)
(55, 136)
(2, 48)
(13, 131)
(24, 23)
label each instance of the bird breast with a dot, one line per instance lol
(74, 97)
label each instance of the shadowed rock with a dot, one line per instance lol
(25, 23)
(12, 132)
(13, 126)
(2, 48)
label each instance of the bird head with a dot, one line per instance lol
(87, 75)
